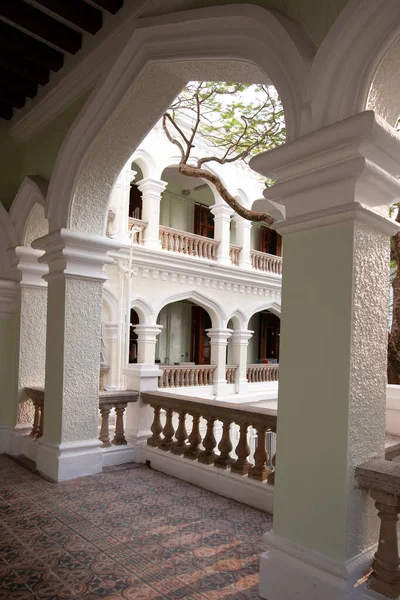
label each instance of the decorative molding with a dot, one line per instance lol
(61, 462)
(337, 214)
(76, 254)
(25, 260)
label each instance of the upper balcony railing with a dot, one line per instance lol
(266, 262)
(262, 373)
(185, 375)
(184, 242)
(191, 244)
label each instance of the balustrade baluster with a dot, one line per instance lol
(271, 475)
(41, 418)
(260, 471)
(181, 435)
(207, 455)
(192, 451)
(36, 419)
(224, 460)
(156, 428)
(385, 578)
(242, 465)
(104, 436)
(196, 377)
(119, 434)
(168, 431)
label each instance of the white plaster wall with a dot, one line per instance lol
(177, 212)
(36, 225)
(174, 339)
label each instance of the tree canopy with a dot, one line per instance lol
(236, 120)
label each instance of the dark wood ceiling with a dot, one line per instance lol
(35, 36)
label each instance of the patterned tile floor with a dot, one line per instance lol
(130, 533)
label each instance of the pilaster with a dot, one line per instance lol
(8, 358)
(336, 184)
(69, 446)
(240, 342)
(218, 342)
(151, 196)
(222, 219)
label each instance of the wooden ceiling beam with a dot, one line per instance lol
(16, 84)
(6, 111)
(24, 68)
(27, 47)
(13, 98)
(42, 25)
(78, 12)
(111, 6)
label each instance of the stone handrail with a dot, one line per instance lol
(382, 478)
(261, 261)
(188, 445)
(234, 252)
(185, 375)
(184, 242)
(137, 236)
(230, 373)
(117, 399)
(262, 373)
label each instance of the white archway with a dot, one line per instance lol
(231, 43)
(216, 312)
(27, 212)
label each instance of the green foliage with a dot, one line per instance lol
(240, 120)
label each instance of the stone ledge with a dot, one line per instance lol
(379, 475)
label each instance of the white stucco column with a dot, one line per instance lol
(218, 342)
(143, 377)
(30, 329)
(151, 196)
(69, 446)
(111, 332)
(243, 238)
(240, 342)
(336, 185)
(8, 359)
(222, 219)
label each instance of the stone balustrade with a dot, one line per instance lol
(230, 373)
(234, 252)
(260, 261)
(382, 478)
(185, 375)
(36, 395)
(262, 373)
(195, 447)
(117, 400)
(184, 242)
(140, 226)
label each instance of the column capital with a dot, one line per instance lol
(76, 254)
(8, 297)
(242, 337)
(219, 335)
(25, 261)
(222, 211)
(150, 186)
(242, 222)
(148, 333)
(345, 171)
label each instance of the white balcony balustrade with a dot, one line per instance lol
(234, 252)
(184, 242)
(139, 226)
(260, 261)
(262, 373)
(186, 375)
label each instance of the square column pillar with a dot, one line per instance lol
(240, 342)
(70, 446)
(142, 377)
(119, 205)
(243, 239)
(336, 184)
(30, 331)
(222, 232)
(8, 359)
(218, 342)
(151, 196)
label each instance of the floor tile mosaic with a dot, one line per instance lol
(130, 533)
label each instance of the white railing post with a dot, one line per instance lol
(243, 234)
(218, 341)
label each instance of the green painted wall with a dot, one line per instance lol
(37, 156)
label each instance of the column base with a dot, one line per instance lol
(288, 570)
(142, 378)
(60, 462)
(152, 244)
(16, 438)
(242, 386)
